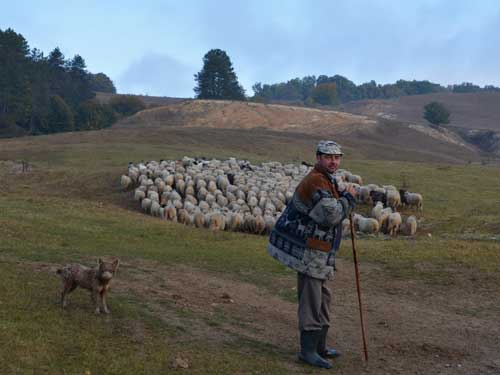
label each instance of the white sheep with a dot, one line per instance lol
(155, 208)
(383, 217)
(171, 213)
(183, 217)
(393, 198)
(409, 226)
(260, 224)
(126, 182)
(366, 224)
(199, 219)
(377, 210)
(146, 204)
(217, 222)
(393, 223)
(139, 195)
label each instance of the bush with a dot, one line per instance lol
(93, 115)
(60, 117)
(436, 113)
(126, 105)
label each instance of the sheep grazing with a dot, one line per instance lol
(126, 182)
(383, 218)
(171, 213)
(393, 198)
(199, 220)
(393, 223)
(236, 221)
(217, 222)
(239, 196)
(183, 217)
(377, 210)
(412, 199)
(139, 195)
(366, 224)
(155, 208)
(409, 226)
(248, 223)
(146, 204)
(260, 224)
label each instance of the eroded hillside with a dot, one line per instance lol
(368, 137)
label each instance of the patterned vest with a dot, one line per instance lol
(300, 238)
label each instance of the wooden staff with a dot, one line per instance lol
(357, 286)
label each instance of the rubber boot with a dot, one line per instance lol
(308, 346)
(322, 348)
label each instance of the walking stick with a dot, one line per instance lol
(357, 286)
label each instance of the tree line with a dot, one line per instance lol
(48, 94)
(325, 90)
(217, 80)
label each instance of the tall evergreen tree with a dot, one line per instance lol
(217, 79)
(77, 88)
(15, 98)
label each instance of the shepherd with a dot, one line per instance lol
(306, 238)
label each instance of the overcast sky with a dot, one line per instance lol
(155, 47)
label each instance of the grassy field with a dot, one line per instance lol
(69, 208)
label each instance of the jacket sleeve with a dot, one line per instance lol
(329, 212)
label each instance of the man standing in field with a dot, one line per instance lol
(306, 238)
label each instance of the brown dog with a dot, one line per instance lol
(95, 279)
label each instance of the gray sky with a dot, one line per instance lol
(155, 47)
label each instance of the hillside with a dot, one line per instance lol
(474, 119)
(471, 111)
(363, 136)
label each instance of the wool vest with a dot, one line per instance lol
(308, 233)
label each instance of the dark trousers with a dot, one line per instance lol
(314, 303)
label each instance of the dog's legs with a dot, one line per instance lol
(96, 300)
(68, 286)
(104, 302)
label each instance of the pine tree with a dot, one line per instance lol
(15, 96)
(217, 79)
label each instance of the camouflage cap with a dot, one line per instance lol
(329, 147)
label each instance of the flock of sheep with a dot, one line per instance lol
(235, 195)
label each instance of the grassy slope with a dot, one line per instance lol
(470, 110)
(69, 208)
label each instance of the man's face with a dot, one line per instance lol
(330, 162)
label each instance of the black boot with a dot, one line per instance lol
(308, 345)
(322, 349)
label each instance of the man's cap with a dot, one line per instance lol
(329, 147)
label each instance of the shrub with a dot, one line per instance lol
(126, 105)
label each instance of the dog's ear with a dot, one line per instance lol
(115, 264)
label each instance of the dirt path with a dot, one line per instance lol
(412, 328)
